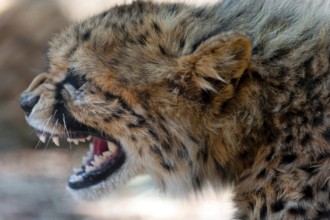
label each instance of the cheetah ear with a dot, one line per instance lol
(223, 57)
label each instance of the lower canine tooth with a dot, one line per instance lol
(106, 154)
(97, 161)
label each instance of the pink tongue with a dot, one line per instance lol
(99, 146)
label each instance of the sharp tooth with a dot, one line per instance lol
(97, 161)
(74, 178)
(69, 140)
(89, 168)
(112, 147)
(91, 147)
(42, 138)
(89, 137)
(82, 140)
(76, 141)
(56, 140)
(106, 154)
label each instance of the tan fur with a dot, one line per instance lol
(233, 93)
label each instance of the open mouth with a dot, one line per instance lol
(105, 157)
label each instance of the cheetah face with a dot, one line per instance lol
(70, 106)
(138, 94)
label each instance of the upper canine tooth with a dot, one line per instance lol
(112, 147)
(42, 138)
(89, 137)
(76, 142)
(56, 140)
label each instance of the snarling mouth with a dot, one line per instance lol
(105, 156)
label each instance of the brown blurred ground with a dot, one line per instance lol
(33, 181)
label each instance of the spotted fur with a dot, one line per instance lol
(236, 92)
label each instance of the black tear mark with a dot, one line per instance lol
(74, 78)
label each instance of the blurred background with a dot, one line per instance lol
(33, 177)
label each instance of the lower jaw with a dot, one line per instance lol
(87, 179)
(106, 157)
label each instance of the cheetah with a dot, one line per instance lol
(237, 92)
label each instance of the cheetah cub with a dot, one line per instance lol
(233, 93)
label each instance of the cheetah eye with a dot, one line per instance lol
(75, 79)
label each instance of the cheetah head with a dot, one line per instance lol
(141, 89)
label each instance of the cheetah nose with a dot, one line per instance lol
(28, 101)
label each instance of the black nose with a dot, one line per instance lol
(28, 101)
